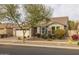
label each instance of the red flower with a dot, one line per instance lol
(75, 37)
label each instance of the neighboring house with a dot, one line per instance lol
(6, 29)
(44, 27)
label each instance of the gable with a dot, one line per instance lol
(56, 20)
(55, 25)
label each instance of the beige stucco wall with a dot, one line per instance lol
(3, 31)
(38, 29)
(14, 32)
(72, 32)
(78, 27)
(9, 31)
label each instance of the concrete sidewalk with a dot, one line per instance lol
(39, 42)
(41, 45)
(48, 44)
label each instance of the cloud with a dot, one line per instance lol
(71, 10)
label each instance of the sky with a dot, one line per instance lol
(59, 10)
(70, 10)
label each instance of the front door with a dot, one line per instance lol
(53, 29)
(34, 31)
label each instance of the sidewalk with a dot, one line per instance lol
(49, 44)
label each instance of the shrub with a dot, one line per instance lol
(49, 39)
(38, 35)
(19, 38)
(44, 36)
(59, 33)
(75, 37)
(77, 43)
(24, 37)
(49, 35)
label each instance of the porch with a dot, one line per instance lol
(46, 30)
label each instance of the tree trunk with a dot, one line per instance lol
(24, 31)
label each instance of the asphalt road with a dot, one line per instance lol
(29, 50)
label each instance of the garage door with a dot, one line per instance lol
(19, 33)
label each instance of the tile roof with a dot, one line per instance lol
(58, 20)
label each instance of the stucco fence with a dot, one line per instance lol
(72, 32)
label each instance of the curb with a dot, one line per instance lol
(35, 45)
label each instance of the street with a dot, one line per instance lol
(29, 50)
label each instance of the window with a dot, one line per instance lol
(34, 31)
(53, 29)
(43, 30)
(57, 27)
(65, 26)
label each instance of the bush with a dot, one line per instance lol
(60, 33)
(77, 43)
(49, 35)
(49, 39)
(38, 35)
(19, 38)
(75, 37)
(44, 36)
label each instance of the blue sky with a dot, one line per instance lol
(70, 10)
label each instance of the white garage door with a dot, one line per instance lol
(19, 33)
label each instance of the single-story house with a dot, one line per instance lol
(6, 29)
(44, 27)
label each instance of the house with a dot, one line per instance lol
(54, 24)
(44, 27)
(6, 29)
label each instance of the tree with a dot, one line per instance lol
(10, 11)
(37, 13)
(72, 25)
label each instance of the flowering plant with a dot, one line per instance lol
(75, 37)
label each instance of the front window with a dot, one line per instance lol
(53, 29)
(65, 26)
(57, 27)
(43, 30)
